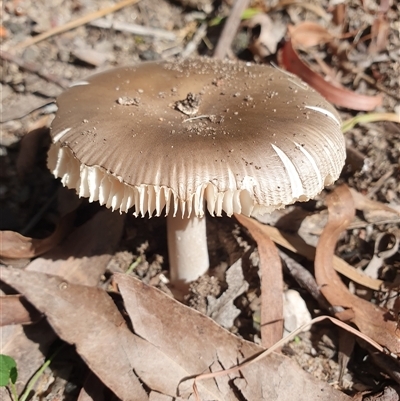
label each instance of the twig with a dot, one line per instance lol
(304, 278)
(33, 68)
(194, 43)
(134, 28)
(378, 184)
(230, 28)
(75, 23)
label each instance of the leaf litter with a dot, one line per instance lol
(375, 322)
(356, 59)
(271, 283)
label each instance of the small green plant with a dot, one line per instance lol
(247, 14)
(8, 374)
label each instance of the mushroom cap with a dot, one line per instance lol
(241, 137)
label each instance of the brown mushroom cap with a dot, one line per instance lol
(244, 138)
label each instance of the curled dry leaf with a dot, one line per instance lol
(16, 246)
(386, 246)
(373, 321)
(292, 62)
(270, 33)
(370, 207)
(271, 282)
(83, 256)
(375, 212)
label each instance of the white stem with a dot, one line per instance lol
(187, 248)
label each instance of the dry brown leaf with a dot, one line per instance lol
(88, 318)
(14, 309)
(373, 211)
(373, 321)
(198, 344)
(291, 61)
(15, 246)
(182, 342)
(271, 282)
(83, 256)
(308, 34)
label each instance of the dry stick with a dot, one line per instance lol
(296, 244)
(135, 29)
(194, 43)
(75, 23)
(279, 344)
(230, 28)
(376, 186)
(304, 278)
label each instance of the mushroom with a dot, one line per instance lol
(175, 137)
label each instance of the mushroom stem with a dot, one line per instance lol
(187, 248)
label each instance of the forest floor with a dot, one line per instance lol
(70, 268)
